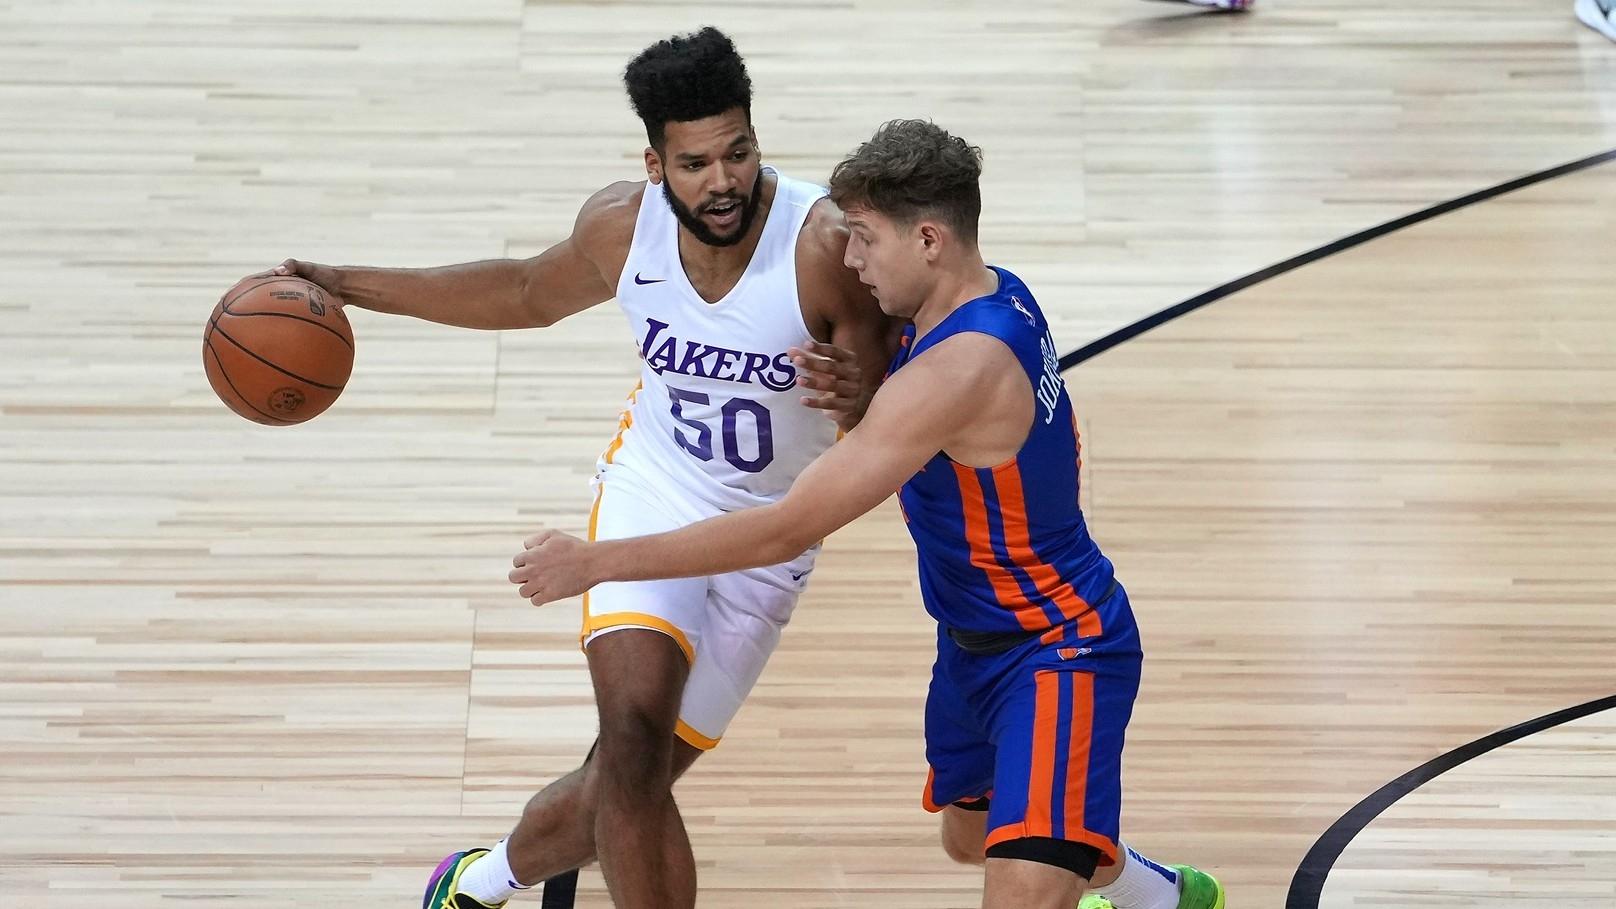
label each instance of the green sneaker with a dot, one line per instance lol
(440, 888)
(1197, 889)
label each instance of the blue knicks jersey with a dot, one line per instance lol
(1005, 548)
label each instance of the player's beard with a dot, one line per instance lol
(699, 229)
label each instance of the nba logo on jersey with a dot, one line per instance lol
(1022, 308)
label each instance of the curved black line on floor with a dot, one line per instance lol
(1095, 348)
(1308, 883)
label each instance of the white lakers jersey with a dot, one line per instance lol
(718, 414)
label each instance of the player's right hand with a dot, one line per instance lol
(834, 373)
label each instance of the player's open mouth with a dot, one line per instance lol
(725, 214)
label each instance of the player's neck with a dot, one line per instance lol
(968, 280)
(714, 270)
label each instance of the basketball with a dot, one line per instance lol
(277, 350)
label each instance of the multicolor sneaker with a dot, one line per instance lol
(1196, 890)
(440, 889)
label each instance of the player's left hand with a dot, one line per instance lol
(835, 374)
(551, 566)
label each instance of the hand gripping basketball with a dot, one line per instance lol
(277, 349)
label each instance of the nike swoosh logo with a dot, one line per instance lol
(640, 280)
(797, 577)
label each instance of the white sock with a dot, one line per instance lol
(1143, 884)
(489, 880)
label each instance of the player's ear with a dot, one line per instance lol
(653, 164)
(931, 239)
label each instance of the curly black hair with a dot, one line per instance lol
(687, 77)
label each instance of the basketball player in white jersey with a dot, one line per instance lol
(727, 272)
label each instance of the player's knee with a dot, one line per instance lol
(635, 755)
(963, 853)
(963, 845)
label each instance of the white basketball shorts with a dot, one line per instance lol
(726, 625)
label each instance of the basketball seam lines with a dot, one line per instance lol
(224, 305)
(219, 331)
(208, 343)
(287, 315)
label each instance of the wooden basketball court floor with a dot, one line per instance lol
(1366, 510)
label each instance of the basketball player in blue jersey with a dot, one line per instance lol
(725, 269)
(1038, 656)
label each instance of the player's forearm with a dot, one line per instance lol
(752, 538)
(487, 294)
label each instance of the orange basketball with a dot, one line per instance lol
(277, 350)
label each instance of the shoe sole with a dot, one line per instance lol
(432, 882)
(1219, 884)
(1222, 894)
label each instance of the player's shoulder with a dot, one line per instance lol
(968, 357)
(608, 217)
(822, 271)
(823, 239)
(965, 372)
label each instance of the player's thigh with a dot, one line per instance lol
(742, 624)
(675, 607)
(960, 755)
(1059, 727)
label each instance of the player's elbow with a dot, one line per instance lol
(788, 547)
(783, 537)
(527, 303)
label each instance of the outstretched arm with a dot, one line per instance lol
(916, 414)
(575, 274)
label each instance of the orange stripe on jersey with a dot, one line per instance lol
(1077, 749)
(1045, 724)
(594, 524)
(1018, 543)
(927, 801)
(1077, 440)
(624, 421)
(1005, 588)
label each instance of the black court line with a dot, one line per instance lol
(1095, 348)
(560, 891)
(1308, 883)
